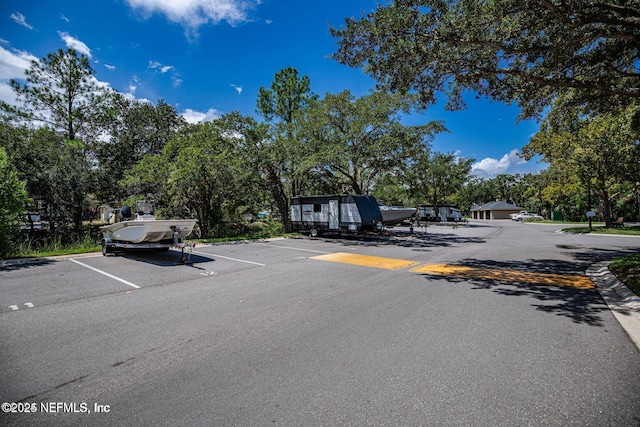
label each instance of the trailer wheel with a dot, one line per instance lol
(313, 232)
(105, 249)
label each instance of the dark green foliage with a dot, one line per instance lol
(13, 200)
(524, 51)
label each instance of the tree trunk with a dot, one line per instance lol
(279, 195)
(606, 203)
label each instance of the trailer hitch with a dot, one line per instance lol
(178, 243)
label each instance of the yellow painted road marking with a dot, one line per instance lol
(366, 260)
(575, 281)
(546, 279)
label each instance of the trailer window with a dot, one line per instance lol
(317, 207)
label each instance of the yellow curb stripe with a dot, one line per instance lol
(366, 260)
(545, 279)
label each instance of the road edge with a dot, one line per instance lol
(622, 301)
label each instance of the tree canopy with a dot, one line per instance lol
(355, 140)
(601, 149)
(524, 51)
(13, 198)
(60, 91)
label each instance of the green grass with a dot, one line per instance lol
(629, 231)
(31, 249)
(627, 270)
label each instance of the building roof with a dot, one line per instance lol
(498, 205)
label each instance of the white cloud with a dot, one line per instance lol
(237, 88)
(489, 167)
(74, 43)
(158, 66)
(20, 20)
(192, 116)
(192, 14)
(110, 67)
(64, 18)
(13, 64)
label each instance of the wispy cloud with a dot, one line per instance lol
(490, 167)
(74, 43)
(110, 67)
(64, 18)
(237, 88)
(192, 14)
(155, 65)
(19, 19)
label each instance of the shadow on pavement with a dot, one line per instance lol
(166, 258)
(418, 241)
(579, 305)
(23, 264)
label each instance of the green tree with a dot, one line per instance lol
(204, 173)
(13, 200)
(60, 92)
(355, 140)
(601, 150)
(45, 161)
(524, 51)
(558, 188)
(281, 153)
(437, 177)
(202, 176)
(476, 191)
(136, 129)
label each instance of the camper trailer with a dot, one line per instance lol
(343, 213)
(446, 212)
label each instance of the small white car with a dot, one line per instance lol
(514, 215)
(528, 216)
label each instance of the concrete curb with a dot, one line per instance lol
(622, 301)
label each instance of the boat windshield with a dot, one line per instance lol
(144, 207)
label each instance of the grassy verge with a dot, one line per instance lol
(627, 270)
(35, 248)
(630, 231)
(55, 247)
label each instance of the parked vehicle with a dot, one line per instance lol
(514, 215)
(446, 212)
(338, 213)
(395, 214)
(141, 230)
(34, 222)
(528, 216)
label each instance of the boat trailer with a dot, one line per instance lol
(111, 246)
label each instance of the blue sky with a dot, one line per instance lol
(210, 57)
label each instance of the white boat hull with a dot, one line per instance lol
(151, 231)
(393, 215)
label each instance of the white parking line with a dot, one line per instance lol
(106, 274)
(231, 259)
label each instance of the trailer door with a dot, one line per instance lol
(334, 216)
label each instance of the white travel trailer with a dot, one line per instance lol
(338, 213)
(445, 212)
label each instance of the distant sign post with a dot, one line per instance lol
(590, 215)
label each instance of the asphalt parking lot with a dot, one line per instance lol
(491, 324)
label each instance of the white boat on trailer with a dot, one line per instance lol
(395, 214)
(144, 231)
